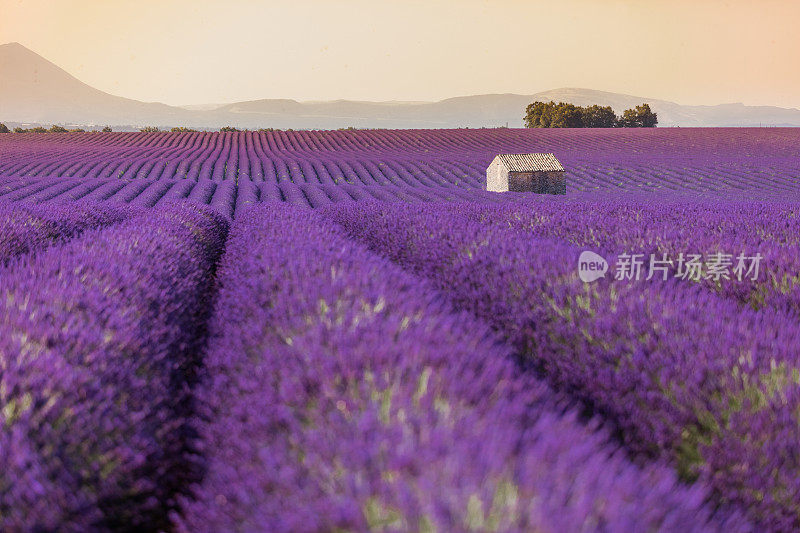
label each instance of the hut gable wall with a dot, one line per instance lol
(496, 176)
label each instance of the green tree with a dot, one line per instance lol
(149, 129)
(107, 129)
(539, 114)
(567, 116)
(3, 128)
(639, 117)
(58, 129)
(38, 129)
(596, 116)
(648, 118)
(20, 130)
(227, 128)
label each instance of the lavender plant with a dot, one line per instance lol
(25, 228)
(684, 374)
(341, 393)
(99, 339)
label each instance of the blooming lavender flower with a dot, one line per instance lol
(684, 374)
(28, 227)
(716, 162)
(341, 393)
(98, 344)
(103, 316)
(670, 228)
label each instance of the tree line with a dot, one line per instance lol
(145, 129)
(54, 129)
(537, 115)
(564, 115)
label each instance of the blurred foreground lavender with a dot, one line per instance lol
(702, 381)
(347, 394)
(98, 340)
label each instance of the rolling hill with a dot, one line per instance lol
(34, 90)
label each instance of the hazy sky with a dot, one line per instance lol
(202, 51)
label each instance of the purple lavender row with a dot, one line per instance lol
(668, 229)
(98, 342)
(343, 394)
(715, 161)
(26, 228)
(685, 375)
(226, 196)
(638, 220)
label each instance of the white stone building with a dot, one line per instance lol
(540, 173)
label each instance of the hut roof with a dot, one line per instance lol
(531, 163)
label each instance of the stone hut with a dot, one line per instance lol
(541, 173)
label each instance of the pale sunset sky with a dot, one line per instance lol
(202, 51)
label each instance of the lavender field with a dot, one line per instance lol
(317, 168)
(343, 331)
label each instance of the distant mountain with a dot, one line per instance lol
(468, 111)
(201, 107)
(34, 90)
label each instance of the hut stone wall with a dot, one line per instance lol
(538, 182)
